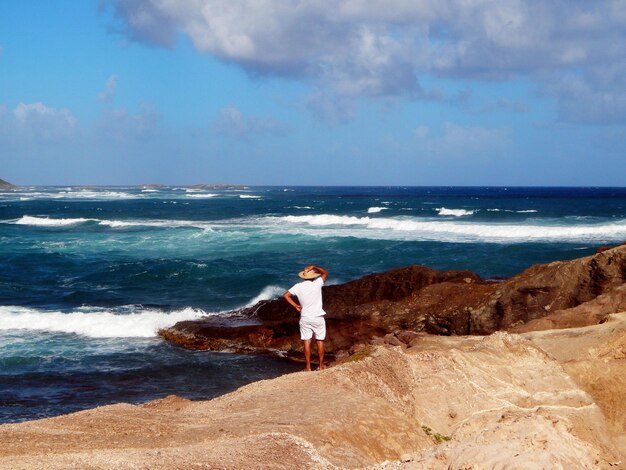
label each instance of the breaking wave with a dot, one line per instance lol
(526, 211)
(48, 222)
(95, 322)
(72, 194)
(453, 212)
(449, 231)
(269, 292)
(202, 196)
(382, 228)
(130, 321)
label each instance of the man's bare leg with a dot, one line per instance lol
(307, 353)
(320, 353)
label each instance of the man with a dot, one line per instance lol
(309, 304)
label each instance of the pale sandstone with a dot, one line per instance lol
(550, 399)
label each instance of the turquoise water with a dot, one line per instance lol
(88, 275)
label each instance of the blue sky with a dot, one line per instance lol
(353, 92)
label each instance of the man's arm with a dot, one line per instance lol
(320, 270)
(289, 298)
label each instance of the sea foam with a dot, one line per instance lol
(449, 231)
(80, 194)
(375, 210)
(392, 228)
(453, 212)
(269, 292)
(95, 322)
(48, 222)
(203, 195)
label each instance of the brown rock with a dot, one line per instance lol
(421, 299)
(342, 301)
(391, 340)
(546, 288)
(6, 185)
(605, 248)
(356, 310)
(589, 313)
(406, 336)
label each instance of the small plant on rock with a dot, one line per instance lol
(435, 436)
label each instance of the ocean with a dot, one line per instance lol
(89, 274)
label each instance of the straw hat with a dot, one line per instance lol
(308, 275)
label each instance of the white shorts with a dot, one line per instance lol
(310, 326)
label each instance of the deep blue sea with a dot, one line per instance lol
(88, 275)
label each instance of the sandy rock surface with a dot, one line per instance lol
(551, 399)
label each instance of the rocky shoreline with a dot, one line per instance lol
(397, 306)
(546, 399)
(6, 185)
(550, 392)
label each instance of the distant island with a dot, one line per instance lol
(7, 185)
(197, 186)
(217, 186)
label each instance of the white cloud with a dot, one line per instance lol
(380, 48)
(230, 121)
(598, 96)
(110, 87)
(330, 108)
(148, 21)
(38, 121)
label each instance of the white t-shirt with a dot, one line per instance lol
(309, 295)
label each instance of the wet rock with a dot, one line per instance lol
(417, 299)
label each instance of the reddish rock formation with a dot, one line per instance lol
(546, 288)
(342, 302)
(357, 311)
(419, 299)
(589, 313)
(6, 185)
